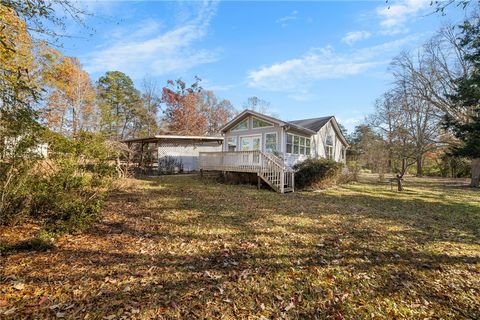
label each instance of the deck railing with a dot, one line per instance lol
(267, 166)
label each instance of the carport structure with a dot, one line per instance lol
(162, 154)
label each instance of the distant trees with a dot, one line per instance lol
(71, 99)
(191, 110)
(258, 105)
(432, 104)
(120, 106)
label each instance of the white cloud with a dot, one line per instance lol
(285, 20)
(394, 17)
(321, 64)
(158, 53)
(355, 36)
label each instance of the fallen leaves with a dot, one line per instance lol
(236, 252)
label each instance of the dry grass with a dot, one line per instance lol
(178, 247)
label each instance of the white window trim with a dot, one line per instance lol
(271, 124)
(237, 130)
(236, 142)
(326, 152)
(250, 135)
(276, 141)
(305, 146)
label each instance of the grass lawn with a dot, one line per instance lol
(180, 247)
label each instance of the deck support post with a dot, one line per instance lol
(201, 173)
(259, 182)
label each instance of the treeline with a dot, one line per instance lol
(428, 122)
(47, 99)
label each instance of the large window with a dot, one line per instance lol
(298, 145)
(271, 142)
(329, 147)
(241, 126)
(258, 123)
(329, 152)
(232, 143)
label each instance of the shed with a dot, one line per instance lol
(171, 153)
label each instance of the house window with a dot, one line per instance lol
(329, 147)
(232, 143)
(258, 123)
(270, 142)
(329, 152)
(241, 126)
(298, 145)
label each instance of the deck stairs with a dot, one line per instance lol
(267, 166)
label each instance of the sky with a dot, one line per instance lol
(308, 59)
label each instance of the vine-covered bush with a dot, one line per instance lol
(317, 173)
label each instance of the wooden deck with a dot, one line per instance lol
(268, 167)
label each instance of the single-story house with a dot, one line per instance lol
(293, 141)
(269, 147)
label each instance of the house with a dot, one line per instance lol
(294, 140)
(171, 153)
(257, 143)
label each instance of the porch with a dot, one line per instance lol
(267, 166)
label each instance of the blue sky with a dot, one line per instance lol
(308, 59)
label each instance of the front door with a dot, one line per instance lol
(251, 143)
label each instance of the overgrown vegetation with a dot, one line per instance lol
(317, 173)
(65, 191)
(178, 247)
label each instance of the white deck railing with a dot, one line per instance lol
(267, 166)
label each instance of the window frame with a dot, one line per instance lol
(298, 145)
(266, 141)
(247, 120)
(329, 152)
(235, 146)
(257, 118)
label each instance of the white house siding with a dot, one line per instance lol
(321, 138)
(186, 152)
(255, 131)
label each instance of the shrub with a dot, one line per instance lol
(317, 173)
(65, 193)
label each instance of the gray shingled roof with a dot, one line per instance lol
(313, 124)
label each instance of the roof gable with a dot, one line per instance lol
(310, 126)
(246, 113)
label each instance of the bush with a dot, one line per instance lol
(64, 193)
(317, 173)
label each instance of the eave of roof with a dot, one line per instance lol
(172, 137)
(235, 120)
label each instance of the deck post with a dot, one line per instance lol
(201, 173)
(259, 182)
(282, 181)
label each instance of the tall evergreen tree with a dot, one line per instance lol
(120, 105)
(467, 100)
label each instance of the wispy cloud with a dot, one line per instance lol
(159, 53)
(395, 16)
(287, 19)
(354, 36)
(323, 63)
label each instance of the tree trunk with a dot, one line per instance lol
(399, 184)
(475, 173)
(420, 166)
